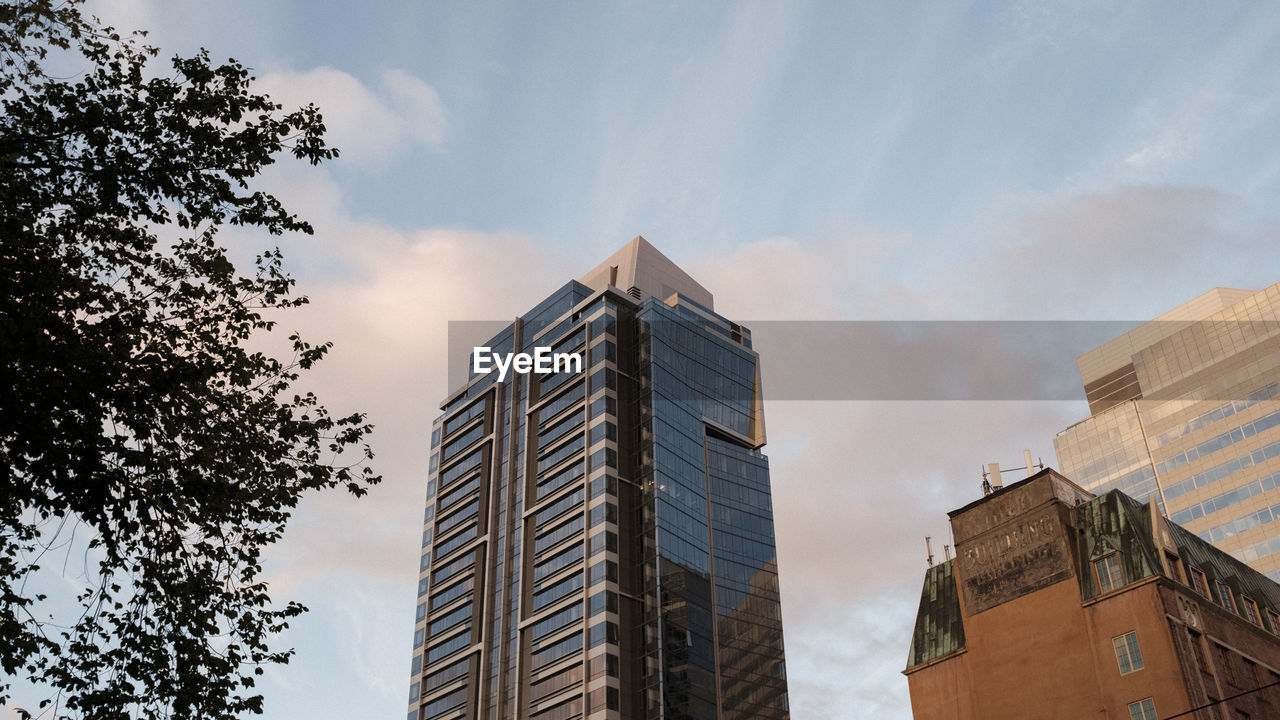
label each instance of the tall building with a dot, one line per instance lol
(1186, 408)
(599, 544)
(1060, 605)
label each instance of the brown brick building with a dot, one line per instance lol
(1063, 605)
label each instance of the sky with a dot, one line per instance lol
(1067, 161)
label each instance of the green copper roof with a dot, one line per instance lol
(939, 631)
(1217, 565)
(1115, 522)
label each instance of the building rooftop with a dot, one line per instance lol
(640, 270)
(1117, 352)
(939, 631)
(1110, 523)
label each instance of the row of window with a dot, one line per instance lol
(458, 421)
(465, 466)
(558, 562)
(1223, 470)
(455, 542)
(460, 492)
(463, 441)
(552, 483)
(1129, 660)
(1214, 444)
(1223, 411)
(1241, 524)
(557, 591)
(561, 453)
(447, 675)
(467, 513)
(558, 508)
(560, 428)
(1226, 499)
(452, 568)
(1216, 388)
(555, 621)
(1110, 576)
(566, 678)
(1247, 608)
(450, 620)
(557, 535)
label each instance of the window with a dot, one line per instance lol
(1251, 674)
(1223, 658)
(1224, 596)
(1199, 583)
(1251, 611)
(1274, 619)
(1175, 567)
(1198, 650)
(1110, 576)
(1143, 710)
(1128, 655)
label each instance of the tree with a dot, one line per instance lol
(132, 409)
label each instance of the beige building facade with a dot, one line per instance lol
(1186, 409)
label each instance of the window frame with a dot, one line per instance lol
(1225, 665)
(1226, 598)
(1143, 706)
(1175, 567)
(1200, 582)
(1128, 645)
(1111, 584)
(1251, 610)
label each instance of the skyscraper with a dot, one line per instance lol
(1187, 408)
(599, 544)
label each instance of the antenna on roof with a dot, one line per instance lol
(991, 475)
(928, 549)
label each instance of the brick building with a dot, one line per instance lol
(1062, 604)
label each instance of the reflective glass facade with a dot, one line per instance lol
(1189, 410)
(600, 544)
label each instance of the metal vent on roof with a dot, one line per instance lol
(634, 292)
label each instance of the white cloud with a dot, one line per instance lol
(856, 488)
(839, 274)
(1170, 148)
(371, 127)
(857, 485)
(385, 298)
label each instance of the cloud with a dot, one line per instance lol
(837, 274)
(1171, 147)
(385, 298)
(389, 324)
(370, 127)
(857, 485)
(1126, 253)
(856, 488)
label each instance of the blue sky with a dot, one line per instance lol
(842, 160)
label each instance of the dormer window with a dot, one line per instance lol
(1110, 576)
(1224, 596)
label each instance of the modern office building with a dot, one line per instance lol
(1060, 605)
(1186, 408)
(599, 544)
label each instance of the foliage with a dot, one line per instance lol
(133, 410)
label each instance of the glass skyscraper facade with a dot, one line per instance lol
(599, 544)
(1186, 408)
